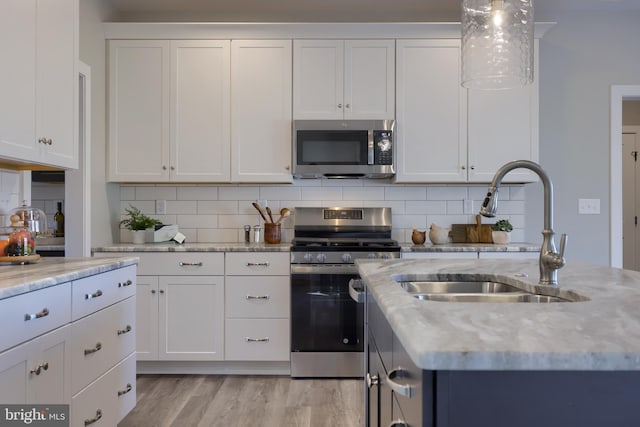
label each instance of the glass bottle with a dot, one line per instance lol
(59, 219)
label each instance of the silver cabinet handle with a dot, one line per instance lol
(339, 105)
(125, 330)
(348, 106)
(258, 264)
(41, 367)
(94, 419)
(473, 168)
(125, 391)
(401, 389)
(247, 339)
(398, 423)
(43, 313)
(95, 349)
(261, 297)
(45, 141)
(372, 380)
(96, 294)
(190, 264)
(463, 168)
(153, 291)
(125, 284)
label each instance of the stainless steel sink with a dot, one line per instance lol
(496, 297)
(458, 287)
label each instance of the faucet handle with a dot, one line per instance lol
(563, 244)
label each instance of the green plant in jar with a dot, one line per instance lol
(137, 220)
(502, 225)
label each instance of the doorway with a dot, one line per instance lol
(630, 197)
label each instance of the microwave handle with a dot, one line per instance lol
(370, 148)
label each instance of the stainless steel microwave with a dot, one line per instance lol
(343, 148)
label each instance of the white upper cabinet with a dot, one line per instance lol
(431, 135)
(344, 79)
(446, 133)
(261, 111)
(38, 120)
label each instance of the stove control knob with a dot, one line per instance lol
(321, 258)
(372, 256)
(346, 258)
(308, 257)
(385, 256)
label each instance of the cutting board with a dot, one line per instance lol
(478, 232)
(459, 233)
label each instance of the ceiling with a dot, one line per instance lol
(330, 10)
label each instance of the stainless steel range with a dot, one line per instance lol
(327, 324)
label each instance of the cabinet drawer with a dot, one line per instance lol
(100, 341)
(257, 339)
(94, 293)
(28, 315)
(182, 263)
(109, 398)
(257, 263)
(257, 297)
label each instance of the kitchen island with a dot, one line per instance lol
(525, 364)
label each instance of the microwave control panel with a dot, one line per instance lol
(383, 147)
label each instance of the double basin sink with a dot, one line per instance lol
(474, 288)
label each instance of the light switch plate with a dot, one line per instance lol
(589, 206)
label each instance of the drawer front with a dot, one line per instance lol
(257, 339)
(94, 293)
(26, 316)
(181, 263)
(100, 341)
(420, 396)
(108, 399)
(257, 297)
(257, 263)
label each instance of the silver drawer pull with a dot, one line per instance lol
(96, 294)
(41, 367)
(125, 391)
(372, 380)
(124, 284)
(43, 313)
(125, 330)
(258, 264)
(94, 419)
(257, 339)
(98, 347)
(401, 389)
(264, 297)
(190, 264)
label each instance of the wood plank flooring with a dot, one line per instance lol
(246, 401)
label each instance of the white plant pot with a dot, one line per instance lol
(500, 237)
(138, 236)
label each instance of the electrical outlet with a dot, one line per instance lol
(161, 207)
(589, 206)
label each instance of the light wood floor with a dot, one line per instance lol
(245, 401)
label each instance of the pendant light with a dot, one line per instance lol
(497, 43)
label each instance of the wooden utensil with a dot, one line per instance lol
(260, 211)
(284, 212)
(270, 214)
(458, 233)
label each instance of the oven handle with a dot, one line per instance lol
(324, 269)
(356, 290)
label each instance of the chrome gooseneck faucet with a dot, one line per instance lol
(550, 260)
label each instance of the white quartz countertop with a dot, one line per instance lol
(472, 247)
(602, 333)
(194, 247)
(18, 279)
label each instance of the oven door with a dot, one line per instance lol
(324, 317)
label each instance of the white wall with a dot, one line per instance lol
(105, 205)
(580, 58)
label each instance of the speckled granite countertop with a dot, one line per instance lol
(600, 334)
(19, 279)
(193, 247)
(471, 247)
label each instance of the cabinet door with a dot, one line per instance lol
(17, 79)
(56, 82)
(200, 122)
(503, 126)
(369, 84)
(147, 297)
(261, 111)
(431, 111)
(191, 318)
(138, 110)
(318, 79)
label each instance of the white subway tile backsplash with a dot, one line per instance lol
(216, 213)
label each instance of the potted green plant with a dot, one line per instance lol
(137, 222)
(500, 232)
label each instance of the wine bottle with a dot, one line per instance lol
(59, 219)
